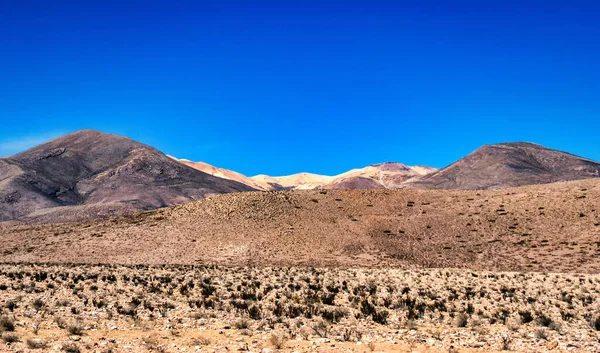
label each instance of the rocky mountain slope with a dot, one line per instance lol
(88, 174)
(553, 227)
(510, 164)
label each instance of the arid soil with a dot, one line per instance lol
(86, 308)
(553, 227)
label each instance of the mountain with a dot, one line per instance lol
(299, 181)
(88, 174)
(553, 227)
(388, 175)
(510, 164)
(225, 174)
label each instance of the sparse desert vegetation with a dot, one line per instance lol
(95, 308)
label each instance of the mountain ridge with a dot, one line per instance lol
(88, 167)
(377, 175)
(89, 174)
(510, 164)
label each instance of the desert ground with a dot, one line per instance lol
(553, 227)
(314, 271)
(104, 308)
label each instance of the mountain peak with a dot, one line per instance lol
(510, 164)
(110, 173)
(518, 144)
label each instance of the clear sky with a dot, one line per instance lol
(279, 87)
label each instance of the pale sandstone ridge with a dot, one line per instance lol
(224, 173)
(388, 175)
(299, 181)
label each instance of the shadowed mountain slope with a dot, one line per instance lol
(510, 164)
(101, 175)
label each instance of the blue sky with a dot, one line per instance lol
(279, 87)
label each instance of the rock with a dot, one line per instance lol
(478, 344)
(37, 340)
(552, 345)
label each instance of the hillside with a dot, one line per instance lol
(553, 227)
(510, 164)
(88, 174)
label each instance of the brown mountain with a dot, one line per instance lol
(510, 164)
(553, 227)
(88, 174)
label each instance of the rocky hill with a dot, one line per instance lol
(89, 174)
(552, 227)
(510, 164)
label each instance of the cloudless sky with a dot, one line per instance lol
(279, 87)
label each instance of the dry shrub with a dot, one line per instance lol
(506, 341)
(278, 340)
(75, 328)
(10, 338)
(242, 324)
(541, 334)
(6, 324)
(461, 320)
(70, 348)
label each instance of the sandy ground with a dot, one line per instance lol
(66, 308)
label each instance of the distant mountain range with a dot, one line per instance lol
(388, 175)
(89, 174)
